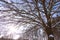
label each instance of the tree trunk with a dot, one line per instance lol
(50, 34)
(50, 38)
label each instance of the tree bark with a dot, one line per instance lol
(50, 33)
(50, 38)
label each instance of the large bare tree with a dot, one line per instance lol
(41, 13)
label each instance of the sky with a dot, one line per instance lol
(8, 26)
(11, 28)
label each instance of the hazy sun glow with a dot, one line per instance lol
(12, 28)
(14, 32)
(16, 36)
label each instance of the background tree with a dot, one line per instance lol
(37, 12)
